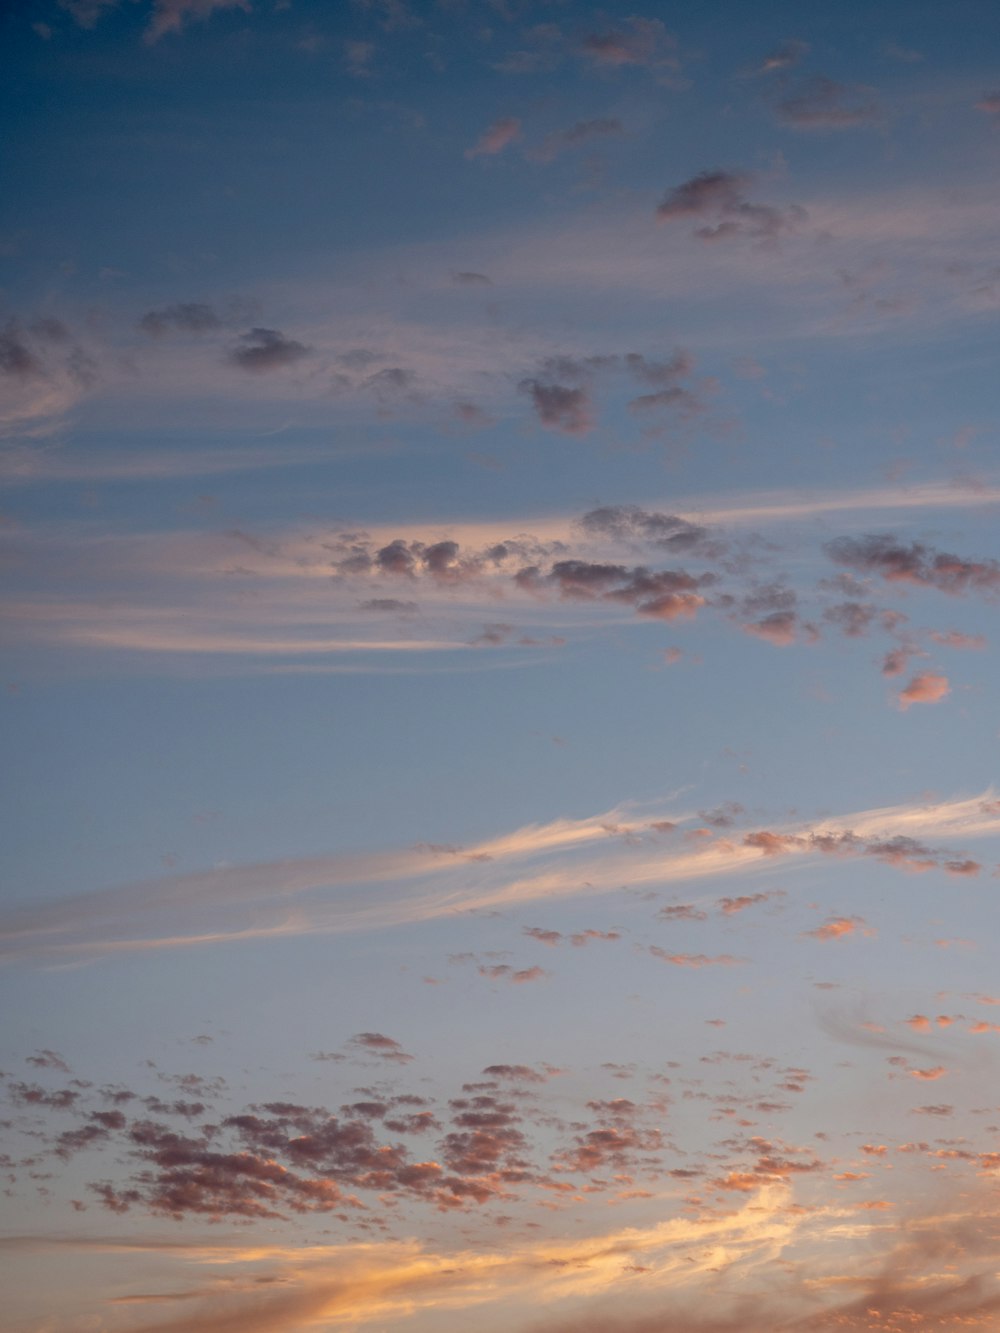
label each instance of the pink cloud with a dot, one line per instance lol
(494, 140)
(927, 687)
(172, 15)
(693, 959)
(777, 628)
(953, 638)
(839, 926)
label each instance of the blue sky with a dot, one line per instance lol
(499, 512)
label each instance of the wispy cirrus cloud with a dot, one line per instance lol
(561, 860)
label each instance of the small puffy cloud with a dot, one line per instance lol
(517, 976)
(494, 140)
(719, 199)
(730, 906)
(779, 628)
(46, 1059)
(516, 1073)
(630, 523)
(376, 1043)
(990, 103)
(771, 844)
(784, 56)
(468, 279)
(927, 687)
(899, 562)
(549, 937)
(896, 661)
(837, 927)
(263, 350)
(822, 104)
(561, 407)
(681, 912)
(694, 960)
(963, 867)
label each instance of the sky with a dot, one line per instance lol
(499, 687)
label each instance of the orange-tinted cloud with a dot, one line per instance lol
(838, 927)
(927, 687)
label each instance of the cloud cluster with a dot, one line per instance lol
(718, 201)
(896, 561)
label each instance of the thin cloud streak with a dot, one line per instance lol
(273, 900)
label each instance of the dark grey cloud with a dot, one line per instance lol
(630, 523)
(886, 556)
(719, 198)
(561, 407)
(17, 359)
(263, 350)
(469, 279)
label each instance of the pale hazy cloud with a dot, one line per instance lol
(495, 139)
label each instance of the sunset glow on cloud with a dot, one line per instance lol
(501, 797)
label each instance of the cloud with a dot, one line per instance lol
(358, 57)
(516, 1073)
(469, 279)
(915, 563)
(263, 350)
(16, 357)
(583, 132)
(666, 532)
(990, 103)
(839, 926)
(186, 317)
(926, 688)
(820, 103)
(495, 139)
(638, 41)
(563, 859)
(87, 13)
(784, 56)
(954, 639)
(172, 16)
(719, 198)
(779, 628)
(730, 906)
(561, 407)
(517, 976)
(46, 1059)
(694, 960)
(44, 372)
(386, 1048)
